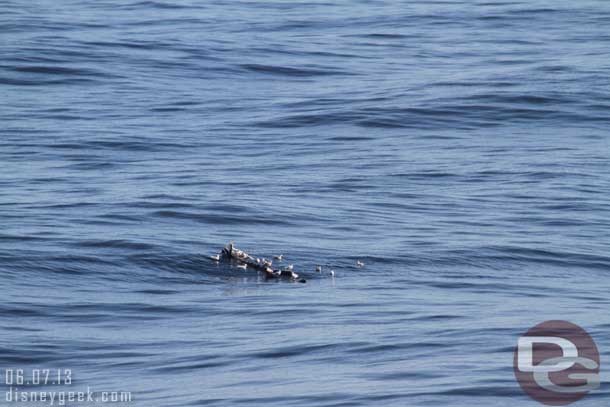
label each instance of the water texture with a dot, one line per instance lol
(458, 148)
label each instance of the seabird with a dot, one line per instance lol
(319, 269)
(359, 264)
(270, 273)
(215, 257)
(289, 267)
(332, 273)
(280, 257)
(242, 266)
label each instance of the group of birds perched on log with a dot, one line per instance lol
(244, 260)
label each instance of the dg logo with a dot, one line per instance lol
(557, 363)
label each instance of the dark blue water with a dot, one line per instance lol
(459, 148)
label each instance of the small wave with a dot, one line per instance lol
(155, 5)
(117, 244)
(53, 70)
(43, 82)
(193, 367)
(290, 71)
(157, 292)
(225, 219)
(560, 258)
(20, 238)
(90, 166)
(291, 351)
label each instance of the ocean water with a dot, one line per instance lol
(458, 148)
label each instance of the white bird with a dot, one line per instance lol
(280, 257)
(242, 266)
(258, 260)
(359, 264)
(289, 267)
(332, 273)
(319, 269)
(215, 257)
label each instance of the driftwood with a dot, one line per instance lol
(263, 265)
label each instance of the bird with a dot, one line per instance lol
(242, 266)
(258, 260)
(359, 264)
(279, 257)
(289, 267)
(332, 273)
(215, 257)
(318, 269)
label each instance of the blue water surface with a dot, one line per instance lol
(458, 148)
